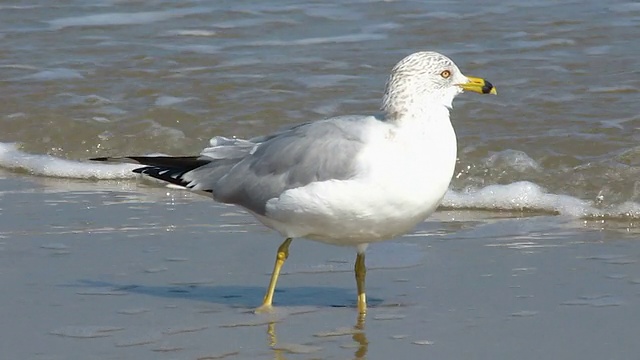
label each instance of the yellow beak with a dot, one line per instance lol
(479, 85)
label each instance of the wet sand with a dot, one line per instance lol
(113, 270)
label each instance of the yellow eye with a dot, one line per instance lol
(445, 74)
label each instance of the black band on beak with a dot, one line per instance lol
(486, 89)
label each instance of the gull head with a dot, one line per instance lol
(425, 81)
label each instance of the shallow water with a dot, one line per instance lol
(93, 78)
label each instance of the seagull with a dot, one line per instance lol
(347, 180)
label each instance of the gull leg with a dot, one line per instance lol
(361, 273)
(281, 256)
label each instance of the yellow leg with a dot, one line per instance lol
(361, 274)
(282, 255)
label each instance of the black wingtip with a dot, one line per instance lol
(164, 168)
(172, 176)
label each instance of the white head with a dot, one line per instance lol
(424, 81)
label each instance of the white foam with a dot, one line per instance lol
(193, 32)
(46, 165)
(166, 100)
(53, 74)
(349, 38)
(522, 195)
(528, 196)
(111, 19)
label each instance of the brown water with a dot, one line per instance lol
(97, 269)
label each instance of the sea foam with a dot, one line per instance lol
(12, 158)
(518, 196)
(528, 196)
(119, 19)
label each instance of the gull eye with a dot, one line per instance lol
(445, 74)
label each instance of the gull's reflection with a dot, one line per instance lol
(278, 354)
(361, 338)
(358, 335)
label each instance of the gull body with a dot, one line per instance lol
(348, 180)
(393, 188)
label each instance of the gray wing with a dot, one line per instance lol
(318, 151)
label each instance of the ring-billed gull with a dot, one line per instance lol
(348, 180)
